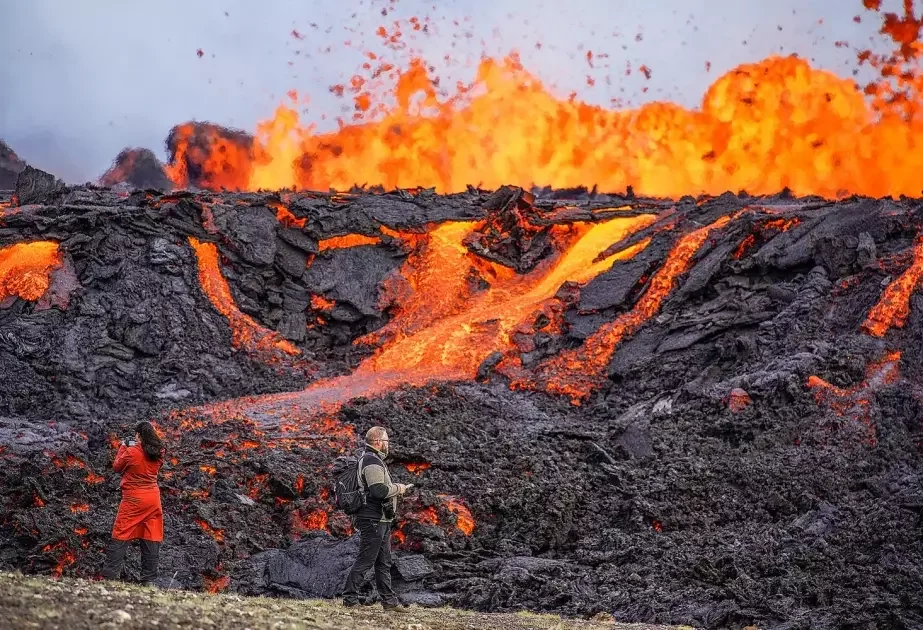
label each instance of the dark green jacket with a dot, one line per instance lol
(381, 492)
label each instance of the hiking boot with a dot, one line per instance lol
(350, 603)
(395, 607)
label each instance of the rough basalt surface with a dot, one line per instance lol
(706, 483)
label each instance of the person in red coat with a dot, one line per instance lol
(140, 515)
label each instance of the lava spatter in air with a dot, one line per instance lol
(761, 127)
(246, 333)
(576, 373)
(892, 309)
(26, 268)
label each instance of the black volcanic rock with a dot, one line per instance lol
(655, 500)
(10, 167)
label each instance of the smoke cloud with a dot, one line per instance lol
(84, 80)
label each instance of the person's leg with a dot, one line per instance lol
(115, 558)
(383, 567)
(150, 560)
(369, 542)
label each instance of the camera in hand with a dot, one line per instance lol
(129, 441)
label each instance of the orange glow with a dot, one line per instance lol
(256, 485)
(246, 333)
(426, 515)
(299, 484)
(739, 400)
(440, 330)
(316, 520)
(37, 501)
(399, 537)
(208, 470)
(577, 372)
(217, 534)
(894, 306)
(417, 468)
(215, 585)
(464, 521)
(855, 402)
(285, 217)
(320, 303)
(761, 127)
(64, 560)
(93, 478)
(347, 241)
(79, 508)
(81, 531)
(25, 269)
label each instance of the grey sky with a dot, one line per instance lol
(83, 79)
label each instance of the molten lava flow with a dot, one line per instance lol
(315, 520)
(349, 240)
(214, 585)
(64, 560)
(285, 217)
(464, 521)
(894, 307)
(25, 269)
(217, 534)
(855, 402)
(245, 332)
(577, 372)
(93, 478)
(320, 303)
(417, 468)
(443, 330)
(79, 508)
(761, 127)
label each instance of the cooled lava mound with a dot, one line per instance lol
(702, 411)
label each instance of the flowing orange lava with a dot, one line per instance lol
(464, 521)
(246, 333)
(417, 468)
(894, 306)
(217, 534)
(577, 372)
(856, 401)
(442, 330)
(349, 240)
(25, 269)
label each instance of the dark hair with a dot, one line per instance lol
(151, 443)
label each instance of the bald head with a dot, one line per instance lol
(377, 438)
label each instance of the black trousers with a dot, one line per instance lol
(374, 550)
(115, 558)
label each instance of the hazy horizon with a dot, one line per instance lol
(85, 82)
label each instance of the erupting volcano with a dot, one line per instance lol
(703, 409)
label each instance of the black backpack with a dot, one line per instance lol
(348, 493)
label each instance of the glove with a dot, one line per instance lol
(402, 488)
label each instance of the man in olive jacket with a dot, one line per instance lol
(374, 521)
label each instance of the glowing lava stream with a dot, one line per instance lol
(577, 372)
(246, 333)
(25, 269)
(444, 333)
(892, 309)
